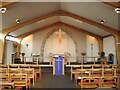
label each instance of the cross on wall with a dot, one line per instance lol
(60, 33)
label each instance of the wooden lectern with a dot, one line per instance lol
(58, 64)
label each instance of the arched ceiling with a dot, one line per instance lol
(91, 10)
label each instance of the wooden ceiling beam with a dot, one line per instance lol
(79, 29)
(91, 22)
(114, 4)
(4, 4)
(61, 13)
(58, 25)
(37, 30)
(28, 22)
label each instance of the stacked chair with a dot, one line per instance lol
(19, 75)
(95, 76)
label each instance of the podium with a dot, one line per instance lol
(58, 65)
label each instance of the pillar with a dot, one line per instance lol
(117, 47)
(100, 43)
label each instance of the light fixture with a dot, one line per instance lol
(118, 43)
(102, 21)
(11, 38)
(17, 21)
(117, 10)
(3, 10)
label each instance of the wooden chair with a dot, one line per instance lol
(3, 70)
(97, 66)
(29, 72)
(24, 66)
(37, 70)
(4, 77)
(13, 66)
(87, 66)
(73, 70)
(13, 70)
(96, 72)
(111, 82)
(5, 81)
(81, 73)
(108, 72)
(19, 80)
(3, 66)
(89, 82)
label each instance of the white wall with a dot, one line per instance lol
(8, 52)
(27, 49)
(109, 46)
(83, 41)
(38, 39)
(55, 46)
(92, 47)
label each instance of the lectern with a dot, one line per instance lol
(58, 65)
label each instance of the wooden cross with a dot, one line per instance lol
(60, 35)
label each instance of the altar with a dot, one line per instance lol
(58, 64)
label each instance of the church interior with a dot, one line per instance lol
(60, 45)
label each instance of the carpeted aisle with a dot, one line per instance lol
(50, 81)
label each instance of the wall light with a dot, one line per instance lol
(11, 38)
(3, 10)
(117, 10)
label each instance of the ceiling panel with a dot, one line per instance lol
(84, 26)
(36, 25)
(27, 10)
(94, 11)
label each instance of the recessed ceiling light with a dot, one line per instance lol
(117, 10)
(102, 21)
(17, 21)
(3, 10)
